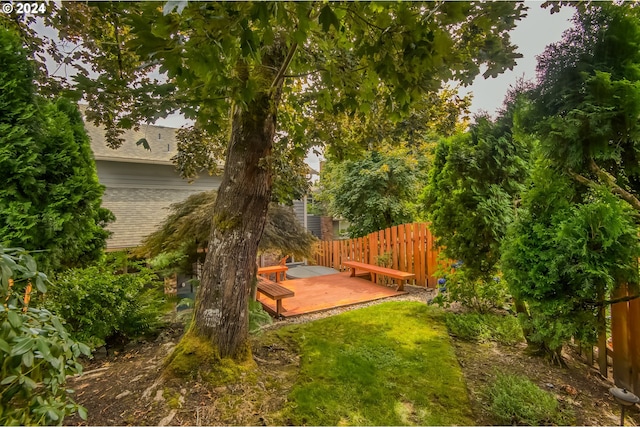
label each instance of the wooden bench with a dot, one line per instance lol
(377, 270)
(277, 269)
(274, 291)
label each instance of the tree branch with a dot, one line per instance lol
(610, 181)
(304, 74)
(607, 180)
(615, 300)
(285, 65)
(370, 24)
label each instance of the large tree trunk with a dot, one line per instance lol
(221, 310)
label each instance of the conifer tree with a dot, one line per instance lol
(50, 195)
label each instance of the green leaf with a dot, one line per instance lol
(57, 324)
(84, 349)
(144, 143)
(40, 286)
(8, 380)
(14, 319)
(41, 345)
(170, 5)
(30, 263)
(27, 359)
(7, 273)
(4, 346)
(8, 259)
(82, 412)
(53, 415)
(22, 347)
(327, 18)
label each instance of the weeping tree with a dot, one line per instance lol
(265, 68)
(185, 232)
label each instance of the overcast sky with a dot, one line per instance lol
(539, 29)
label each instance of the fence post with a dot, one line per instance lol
(634, 343)
(620, 338)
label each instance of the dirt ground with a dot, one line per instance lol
(126, 388)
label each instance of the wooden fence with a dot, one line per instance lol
(408, 247)
(625, 337)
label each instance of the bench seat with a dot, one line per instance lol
(268, 271)
(274, 291)
(377, 270)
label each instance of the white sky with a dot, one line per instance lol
(539, 29)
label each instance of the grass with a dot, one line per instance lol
(389, 364)
(503, 329)
(514, 399)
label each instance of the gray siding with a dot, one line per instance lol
(313, 225)
(139, 195)
(298, 209)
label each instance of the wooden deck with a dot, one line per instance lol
(325, 292)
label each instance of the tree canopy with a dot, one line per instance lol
(589, 99)
(373, 193)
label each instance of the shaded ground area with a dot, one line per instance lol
(126, 388)
(580, 389)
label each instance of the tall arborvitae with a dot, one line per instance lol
(50, 195)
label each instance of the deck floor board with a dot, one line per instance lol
(330, 291)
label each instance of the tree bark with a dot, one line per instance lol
(221, 309)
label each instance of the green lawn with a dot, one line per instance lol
(389, 364)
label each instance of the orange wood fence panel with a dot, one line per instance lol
(625, 337)
(402, 241)
(634, 343)
(409, 247)
(417, 259)
(409, 234)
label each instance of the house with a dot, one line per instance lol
(141, 184)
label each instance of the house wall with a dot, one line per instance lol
(314, 225)
(139, 195)
(298, 210)
(141, 184)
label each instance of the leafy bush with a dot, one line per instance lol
(485, 327)
(36, 351)
(565, 252)
(100, 305)
(514, 399)
(463, 286)
(475, 180)
(257, 316)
